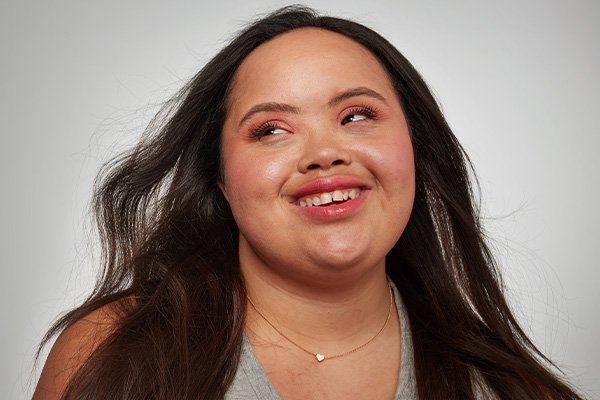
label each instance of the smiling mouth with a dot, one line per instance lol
(328, 198)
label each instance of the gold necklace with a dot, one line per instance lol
(320, 357)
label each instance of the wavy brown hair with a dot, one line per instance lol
(169, 242)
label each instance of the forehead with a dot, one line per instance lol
(303, 61)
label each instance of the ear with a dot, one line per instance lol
(223, 188)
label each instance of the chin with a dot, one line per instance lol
(343, 259)
(354, 249)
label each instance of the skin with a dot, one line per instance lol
(320, 281)
(72, 348)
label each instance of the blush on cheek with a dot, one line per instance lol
(249, 180)
(272, 171)
(262, 175)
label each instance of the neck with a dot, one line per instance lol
(329, 318)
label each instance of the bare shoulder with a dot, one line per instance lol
(73, 347)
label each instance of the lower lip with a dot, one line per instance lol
(335, 211)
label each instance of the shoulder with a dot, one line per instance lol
(73, 347)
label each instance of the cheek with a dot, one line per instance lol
(251, 178)
(252, 182)
(402, 157)
(394, 160)
(399, 184)
(394, 165)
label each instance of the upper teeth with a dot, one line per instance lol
(328, 197)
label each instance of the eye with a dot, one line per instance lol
(358, 114)
(266, 129)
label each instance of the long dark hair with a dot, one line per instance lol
(169, 246)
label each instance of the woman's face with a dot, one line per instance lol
(318, 162)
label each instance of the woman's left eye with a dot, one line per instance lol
(356, 115)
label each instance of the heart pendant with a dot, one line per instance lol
(319, 357)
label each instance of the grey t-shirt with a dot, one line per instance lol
(251, 382)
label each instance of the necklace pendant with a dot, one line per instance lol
(319, 357)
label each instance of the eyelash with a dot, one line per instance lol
(259, 131)
(364, 111)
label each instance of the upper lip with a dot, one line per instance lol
(328, 184)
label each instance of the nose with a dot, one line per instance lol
(323, 151)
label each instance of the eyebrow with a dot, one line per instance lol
(355, 92)
(282, 107)
(265, 107)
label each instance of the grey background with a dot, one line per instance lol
(518, 82)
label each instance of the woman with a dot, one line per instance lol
(302, 226)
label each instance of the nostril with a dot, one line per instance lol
(318, 165)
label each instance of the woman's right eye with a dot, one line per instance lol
(267, 129)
